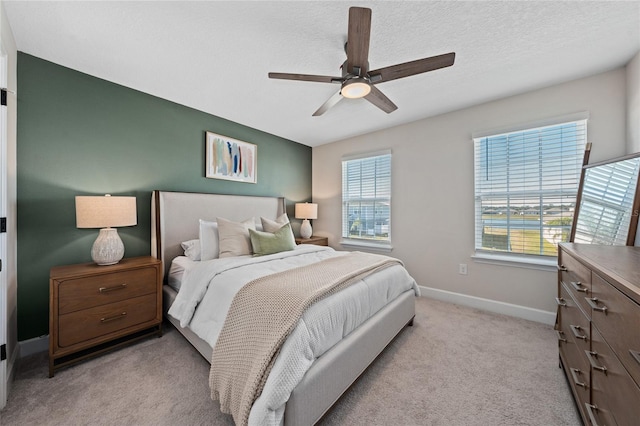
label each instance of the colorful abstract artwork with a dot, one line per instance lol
(230, 159)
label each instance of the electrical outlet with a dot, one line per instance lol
(462, 269)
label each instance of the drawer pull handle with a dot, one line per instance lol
(562, 268)
(592, 360)
(590, 410)
(113, 318)
(560, 301)
(579, 287)
(635, 355)
(560, 335)
(115, 287)
(593, 302)
(574, 374)
(576, 332)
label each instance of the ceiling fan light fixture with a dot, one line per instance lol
(355, 88)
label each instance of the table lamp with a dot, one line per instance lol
(106, 212)
(306, 211)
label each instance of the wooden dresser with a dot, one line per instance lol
(598, 330)
(96, 308)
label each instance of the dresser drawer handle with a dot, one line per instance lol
(579, 287)
(562, 268)
(635, 355)
(592, 360)
(593, 302)
(115, 287)
(560, 301)
(574, 374)
(113, 318)
(560, 335)
(576, 330)
(590, 410)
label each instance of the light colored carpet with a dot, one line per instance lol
(455, 366)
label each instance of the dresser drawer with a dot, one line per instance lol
(573, 322)
(573, 339)
(613, 390)
(616, 316)
(577, 277)
(576, 368)
(80, 326)
(87, 292)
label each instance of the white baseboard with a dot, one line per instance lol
(33, 346)
(518, 311)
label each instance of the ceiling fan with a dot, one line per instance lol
(357, 80)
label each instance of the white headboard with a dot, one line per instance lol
(175, 217)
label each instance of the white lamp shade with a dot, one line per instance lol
(105, 211)
(306, 211)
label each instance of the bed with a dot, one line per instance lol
(175, 219)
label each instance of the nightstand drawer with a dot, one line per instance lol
(84, 325)
(318, 241)
(87, 292)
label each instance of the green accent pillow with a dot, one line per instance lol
(268, 243)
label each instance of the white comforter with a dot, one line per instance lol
(208, 289)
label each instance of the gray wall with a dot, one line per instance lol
(633, 105)
(633, 111)
(432, 210)
(79, 135)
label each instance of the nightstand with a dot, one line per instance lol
(319, 241)
(93, 309)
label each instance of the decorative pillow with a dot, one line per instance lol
(268, 243)
(272, 226)
(191, 249)
(234, 237)
(209, 240)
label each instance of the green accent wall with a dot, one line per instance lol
(80, 135)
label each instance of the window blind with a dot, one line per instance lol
(607, 203)
(366, 198)
(526, 184)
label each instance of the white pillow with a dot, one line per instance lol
(234, 237)
(191, 249)
(209, 240)
(272, 226)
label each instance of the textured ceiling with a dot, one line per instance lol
(214, 56)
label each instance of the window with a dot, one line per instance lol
(526, 184)
(366, 199)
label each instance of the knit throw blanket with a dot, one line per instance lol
(263, 313)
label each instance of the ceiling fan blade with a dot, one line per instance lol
(328, 104)
(411, 68)
(378, 98)
(305, 77)
(358, 38)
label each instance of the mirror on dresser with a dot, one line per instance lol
(608, 202)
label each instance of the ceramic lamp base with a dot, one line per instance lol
(108, 248)
(305, 229)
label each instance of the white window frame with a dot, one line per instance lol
(510, 258)
(368, 243)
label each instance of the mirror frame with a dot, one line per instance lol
(633, 224)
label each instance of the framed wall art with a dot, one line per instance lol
(230, 159)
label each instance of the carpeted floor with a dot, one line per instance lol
(455, 366)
